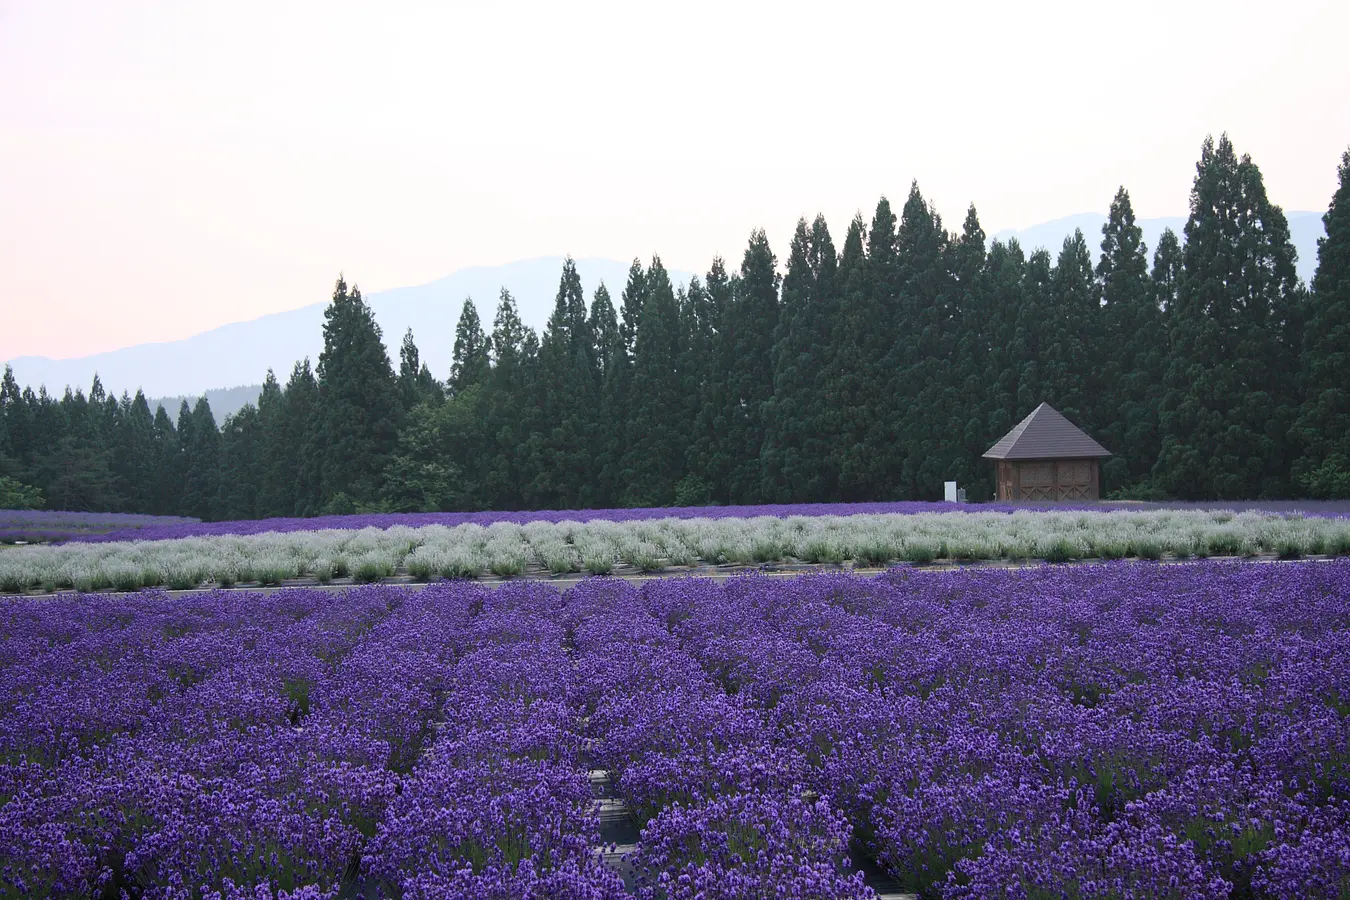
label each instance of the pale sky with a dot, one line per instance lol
(166, 167)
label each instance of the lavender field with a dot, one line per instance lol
(1120, 730)
(42, 525)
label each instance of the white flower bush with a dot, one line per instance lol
(600, 547)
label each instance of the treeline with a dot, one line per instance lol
(872, 369)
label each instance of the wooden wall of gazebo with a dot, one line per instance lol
(1048, 480)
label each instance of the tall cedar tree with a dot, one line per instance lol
(1072, 354)
(698, 335)
(506, 422)
(1324, 420)
(969, 420)
(472, 352)
(237, 492)
(300, 466)
(200, 441)
(416, 384)
(134, 466)
(612, 370)
(708, 458)
(925, 371)
(846, 387)
(1007, 279)
(754, 316)
(1231, 381)
(796, 448)
(18, 427)
(569, 393)
(653, 460)
(1133, 350)
(355, 422)
(168, 487)
(276, 486)
(630, 312)
(884, 352)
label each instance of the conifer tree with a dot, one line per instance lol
(168, 458)
(921, 356)
(568, 380)
(630, 314)
(472, 353)
(1165, 277)
(971, 289)
(754, 315)
(134, 465)
(698, 335)
(18, 428)
(1132, 352)
(604, 325)
(1007, 282)
(276, 479)
(1228, 402)
(1071, 345)
(612, 368)
(796, 449)
(355, 423)
(505, 420)
(237, 492)
(708, 457)
(653, 461)
(847, 393)
(301, 467)
(1324, 419)
(1033, 307)
(201, 460)
(416, 384)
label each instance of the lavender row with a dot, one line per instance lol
(721, 803)
(217, 746)
(1122, 731)
(500, 805)
(59, 525)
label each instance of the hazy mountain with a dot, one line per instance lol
(1304, 230)
(241, 353)
(224, 401)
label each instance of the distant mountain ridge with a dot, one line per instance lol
(241, 353)
(223, 401)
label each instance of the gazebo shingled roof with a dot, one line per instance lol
(1046, 434)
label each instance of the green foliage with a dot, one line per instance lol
(472, 352)
(14, 494)
(1323, 424)
(1234, 332)
(653, 460)
(354, 424)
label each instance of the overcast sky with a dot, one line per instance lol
(166, 167)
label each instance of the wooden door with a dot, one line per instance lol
(1075, 479)
(1037, 480)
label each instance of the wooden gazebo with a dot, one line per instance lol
(1047, 458)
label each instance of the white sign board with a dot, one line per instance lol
(949, 491)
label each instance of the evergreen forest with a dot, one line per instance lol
(872, 366)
